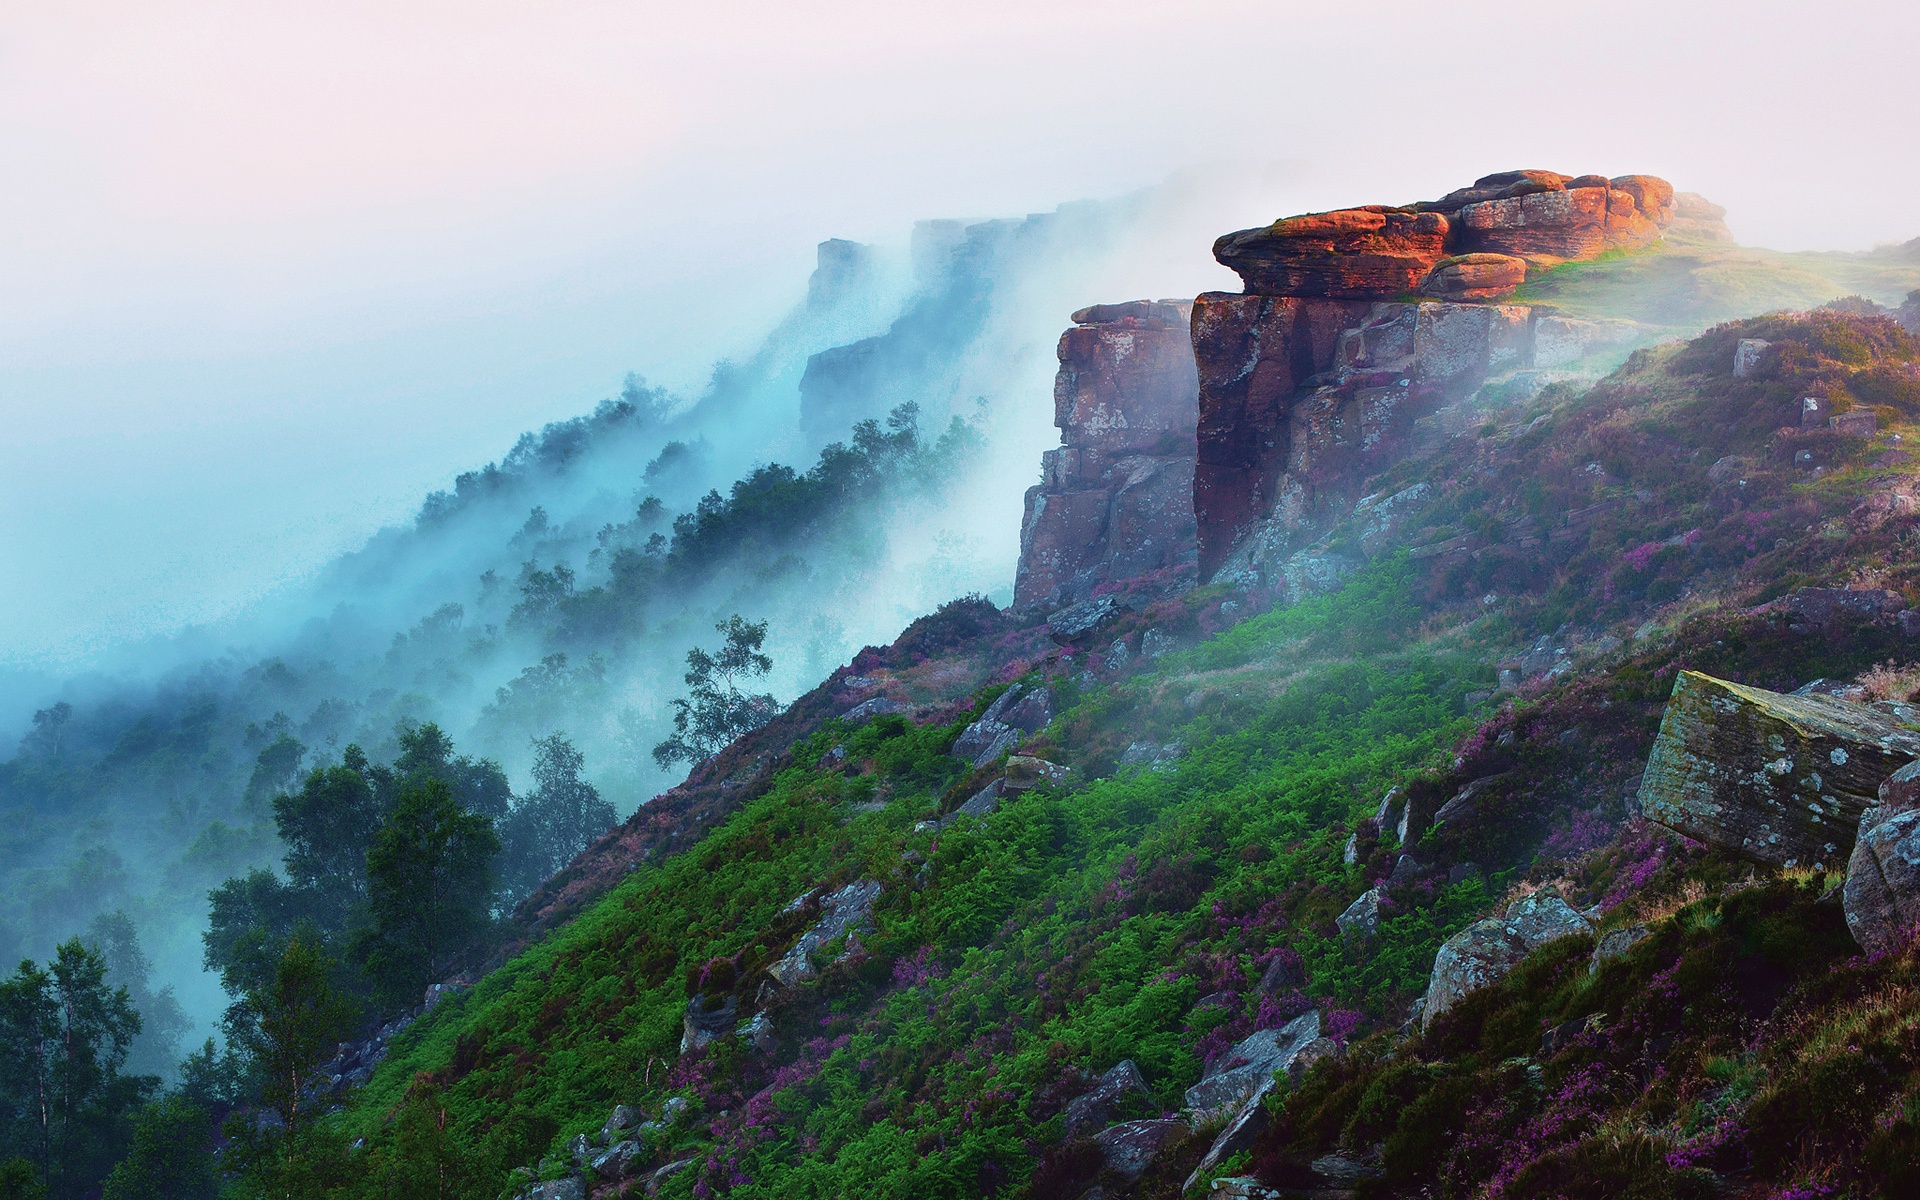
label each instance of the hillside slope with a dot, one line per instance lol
(1171, 863)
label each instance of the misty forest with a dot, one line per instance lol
(1435, 715)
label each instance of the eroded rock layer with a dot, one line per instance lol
(1322, 372)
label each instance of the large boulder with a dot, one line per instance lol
(1120, 1083)
(1882, 894)
(1779, 779)
(1248, 1068)
(843, 912)
(706, 1018)
(1130, 1147)
(1375, 252)
(1485, 951)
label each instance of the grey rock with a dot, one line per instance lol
(1362, 918)
(983, 801)
(1027, 711)
(1485, 951)
(1151, 754)
(1249, 1066)
(619, 1121)
(1882, 893)
(1157, 643)
(1350, 853)
(665, 1173)
(619, 1161)
(1748, 355)
(441, 991)
(1025, 772)
(1344, 1171)
(1461, 872)
(1393, 807)
(879, 706)
(706, 1020)
(1243, 1187)
(1462, 805)
(1283, 974)
(1121, 1080)
(570, 1188)
(983, 741)
(1614, 943)
(1076, 620)
(846, 911)
(675, 1109)
(1382, 516)
(1248, 1122)
(1782, 780)
(758, 1032)
(1131, 1147)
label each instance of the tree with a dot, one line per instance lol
(251, 919)
(327, 826)
(276, 766)
(554, 822)
(20, 1180)
(294, 1021)
(162, 1020)
(171, 1157)
(65, 1034)
(715, 710)
(430, 886)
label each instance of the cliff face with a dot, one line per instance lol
(1329, 368)
(1115, 500)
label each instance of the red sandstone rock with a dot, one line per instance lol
(1352, 253)
(1252, 353)
(1475, 277)
(1699, 219)
(1115, 502)
(1549, 228)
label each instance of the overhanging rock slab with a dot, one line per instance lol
(1775, 778)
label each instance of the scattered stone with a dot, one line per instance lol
(1078, 620)
(441, 991)
(1247, 1124)
(1779, 779)
(758, 1033)
(1120, 1081)
(1361, 920)
(619, 1161)
(1485, 951)
(879, 706)
(1857, 423)
(846, 911)
(1242, 1187)
(570, 1188)
(1747, 357)
(1615, 943)
(1152, 754)
(675, 1109)
(622, 1119)
(1343, 1170)
(706, 1018)
(659, 1177)
(1131, 1146)
(1283, 974)
(1025, 773)
(1157, 643)
(1248, 1067)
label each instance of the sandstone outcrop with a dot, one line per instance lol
(1486, 950)
(1115, 500)
(1698, 219)
(1246, 1070)
(1775, 778)
(846, 911)
(1325, 371)
(1474, 277)
(1351, 253)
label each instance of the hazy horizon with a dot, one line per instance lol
(270, 277)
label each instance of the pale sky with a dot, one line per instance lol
(271, 272)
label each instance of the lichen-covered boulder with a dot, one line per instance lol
(1779, 779)
(1131, 1146)
(1248, 1068)
(1882, 894)
(1121, 1082)
(1485, 951)
(843, 912)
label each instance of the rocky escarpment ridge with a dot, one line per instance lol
(1115, 501)
(1362, 334)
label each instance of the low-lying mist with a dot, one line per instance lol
(864, 464)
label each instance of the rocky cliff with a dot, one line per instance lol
(1115, 501)
(1363, 335)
